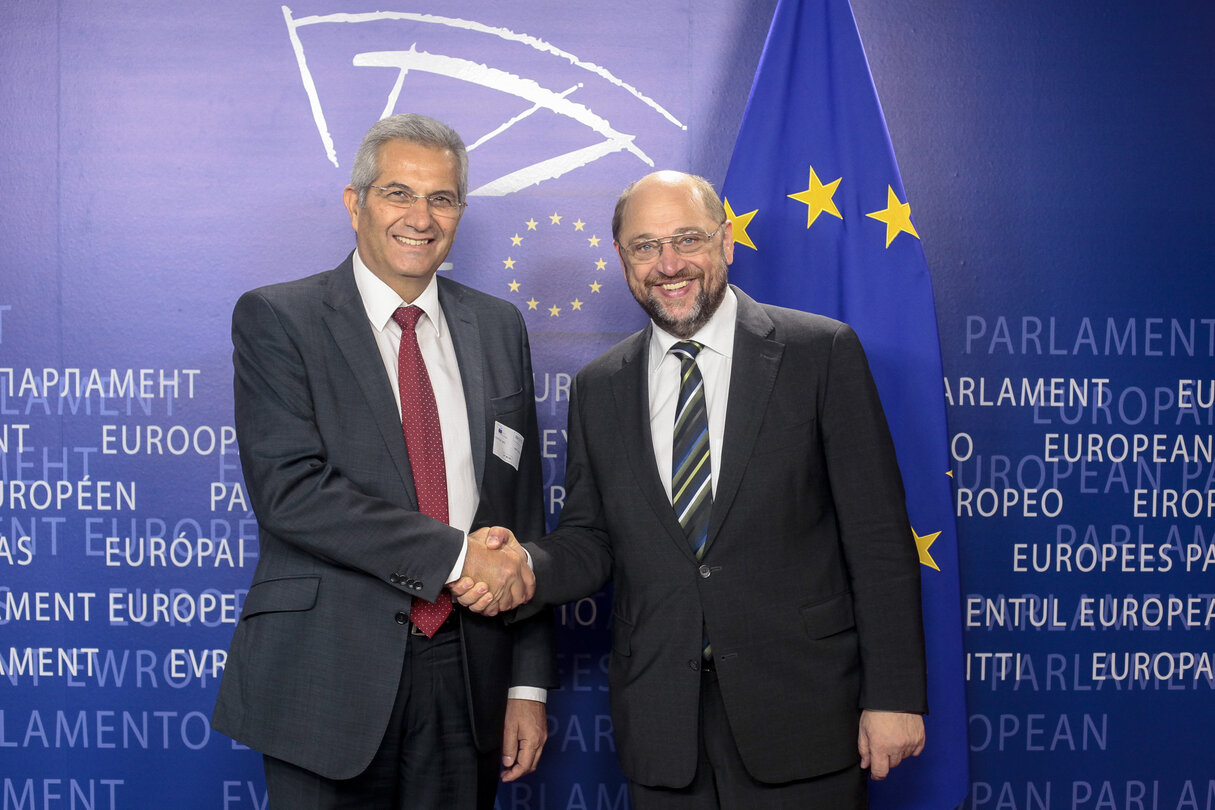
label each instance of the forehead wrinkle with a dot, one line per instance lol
(397, 158)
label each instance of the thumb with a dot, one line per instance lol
(497, 538)
(510, 744)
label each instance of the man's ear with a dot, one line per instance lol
(350, 198)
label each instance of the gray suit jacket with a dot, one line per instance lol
(809, 586)
(316, 658)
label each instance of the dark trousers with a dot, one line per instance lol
(722, 781)
(427, 760)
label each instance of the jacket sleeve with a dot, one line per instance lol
(576, 559)
(875, 534)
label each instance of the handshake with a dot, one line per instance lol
(496, 576)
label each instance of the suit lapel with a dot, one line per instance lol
(631, 392)
(752, 376)
(466, 337)
(346, 319)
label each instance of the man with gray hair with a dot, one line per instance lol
(385, 417)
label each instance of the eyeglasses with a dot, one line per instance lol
(443, 205)
(688, 243)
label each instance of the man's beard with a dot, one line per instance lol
(707, 302)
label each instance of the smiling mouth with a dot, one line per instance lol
(405, 240)
(671, 286)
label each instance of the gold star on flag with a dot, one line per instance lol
(531, 224)
(532, 303)
(594, 240)
(922, 544)
(555, 218)
(741, 221)
(817, 198)
(896, 215)
(579, 224)
(516, 240)
(600, 265)
(554, 311)
(595, 285)
(514, 286)
(509, 263)
(576, 304)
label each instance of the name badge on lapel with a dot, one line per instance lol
(508, 444)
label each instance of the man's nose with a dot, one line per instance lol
(418, 215)
(670, 262)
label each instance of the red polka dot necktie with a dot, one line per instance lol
(424, 442)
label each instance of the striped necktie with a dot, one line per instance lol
(691, 471)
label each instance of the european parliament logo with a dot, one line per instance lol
(532, 110)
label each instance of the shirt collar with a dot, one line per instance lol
(716, 335)
(380, 300)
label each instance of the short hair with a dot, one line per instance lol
(411, 128)
(703, 188)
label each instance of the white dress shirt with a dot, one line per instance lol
(715, 361)
(439, 353)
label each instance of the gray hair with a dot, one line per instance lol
(411, 128)
(703, 188)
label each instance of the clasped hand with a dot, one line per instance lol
(496, 576)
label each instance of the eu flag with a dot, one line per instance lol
(822, 223)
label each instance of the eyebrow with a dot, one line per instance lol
(405, 187)
(646, 237)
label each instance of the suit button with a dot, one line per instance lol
(417, 586)
(704, 571)
(395, 579)
(402, 617)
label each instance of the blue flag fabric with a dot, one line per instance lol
(821, 223)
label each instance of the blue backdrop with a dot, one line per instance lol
(161, 158)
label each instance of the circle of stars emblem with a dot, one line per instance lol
(589, 253)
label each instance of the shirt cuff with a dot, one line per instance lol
(527, 693)
(459, 566)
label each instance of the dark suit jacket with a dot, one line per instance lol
(809, 587)
(314, 665)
